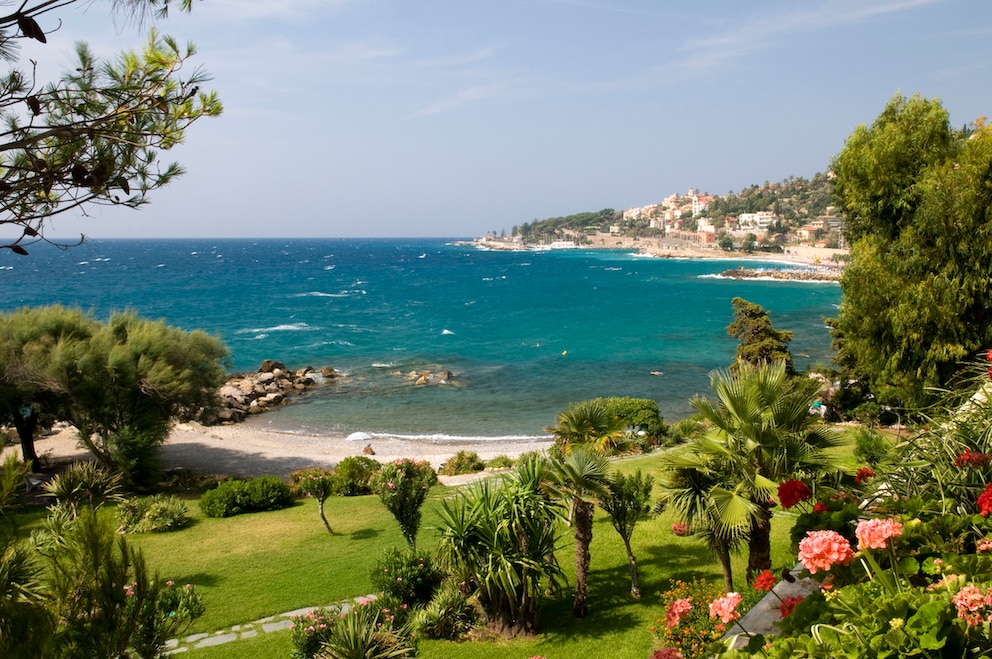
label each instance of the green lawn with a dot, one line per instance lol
(252, 566)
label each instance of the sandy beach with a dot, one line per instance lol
(247, 450)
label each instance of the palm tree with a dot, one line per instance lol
(762, 433)
(628, 500)
(580, 479)
(588, 423)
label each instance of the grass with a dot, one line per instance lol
(252, 566)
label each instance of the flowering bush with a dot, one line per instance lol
(402, 486)
(310, 631)
(409, 576)
(686, 628)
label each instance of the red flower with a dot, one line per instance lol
(863, 474)
(988, 355)
(680, 529)
(765, 581)
(788, 603)
(819, 508)
(985, 501)
(792, 492)
(972, 459)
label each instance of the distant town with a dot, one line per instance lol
(769, 218)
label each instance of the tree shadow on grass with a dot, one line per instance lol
(611, 607)
(230, 461)
(365, 534)
(199, 579)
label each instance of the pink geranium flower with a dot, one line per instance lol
(667, 653)
(820, 550)
(678, 608)
(725, 608)
(873, 533)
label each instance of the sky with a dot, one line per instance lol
(453, 118)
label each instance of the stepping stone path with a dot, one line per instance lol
(276, 623)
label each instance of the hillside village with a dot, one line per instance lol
(761, 218)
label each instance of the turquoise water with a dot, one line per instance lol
(525, 333)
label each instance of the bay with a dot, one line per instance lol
(525, 333)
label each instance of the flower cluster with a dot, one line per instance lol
(667, 653)
(873, 533)
(862, 475)
(974, 605)
(765, 581)
(985, 501)
(972, 459)
(820, 550)
(792, 492)
(725, 607)
(675, 611)
(310, 631)
(680, 529)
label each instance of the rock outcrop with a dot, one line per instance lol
(272, 385)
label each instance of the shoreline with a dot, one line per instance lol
(245, 450)
(807, 255)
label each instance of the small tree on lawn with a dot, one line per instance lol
(628, 500)
(402, 486)
(319, 483)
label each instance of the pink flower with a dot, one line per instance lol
(725, 607)
(678, 608)
(667, 653)
(680, 529)
(984, 546)
(792, 492)
(872, 533)
(970, 601)
(820, 550)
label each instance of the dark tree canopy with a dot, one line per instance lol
(92, 137)
(759, 342)
(917, 291)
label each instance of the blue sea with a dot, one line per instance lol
(525, 333)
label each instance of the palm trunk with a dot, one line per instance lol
(635, 579)
(583, 538)
(722, 549)
(759, 556)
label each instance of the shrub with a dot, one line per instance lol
(310, 631)
(463, 462)
(361, 633)
(500, 462)
(234, 497)
(84, 483)
(870, 447)
(354, 476)
(155, 514)
(402, 486)
(409, 576)
(447, 616)
(639, 414)
(686, 625)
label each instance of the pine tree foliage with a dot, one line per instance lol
(92, 137)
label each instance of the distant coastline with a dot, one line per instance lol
(818, 263)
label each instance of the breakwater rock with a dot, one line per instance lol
(272, 385)
(786, 274)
